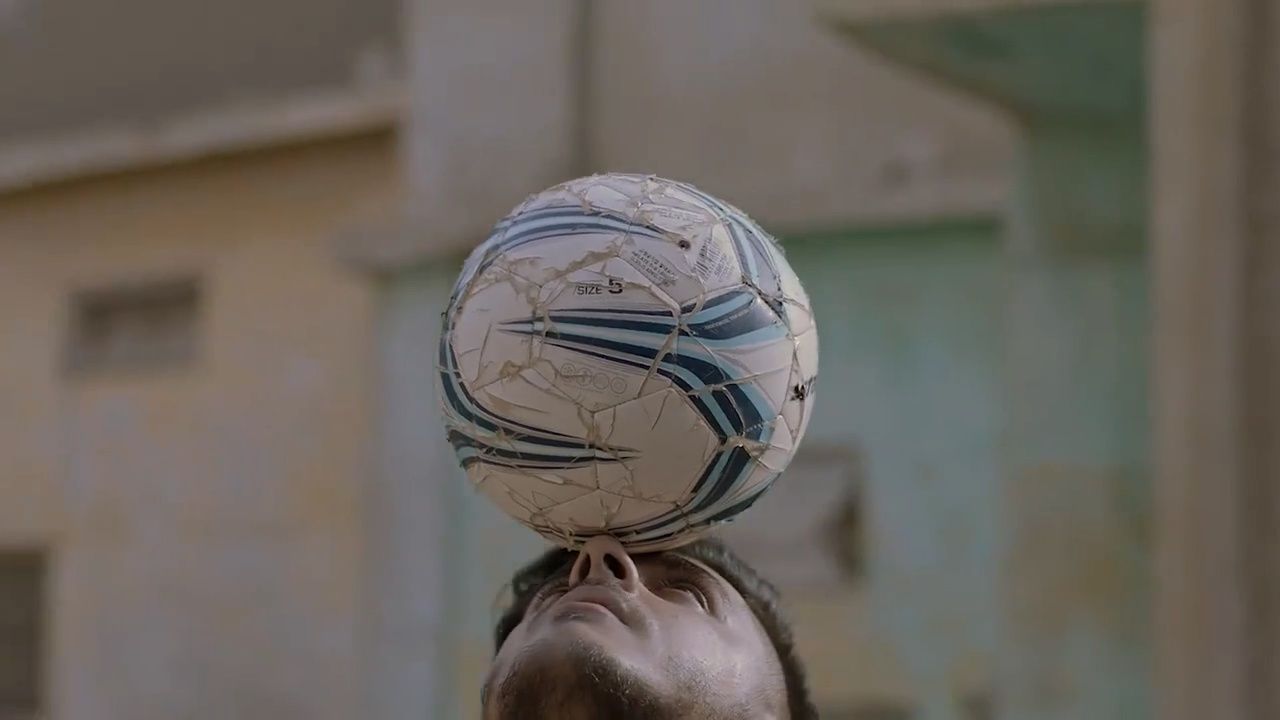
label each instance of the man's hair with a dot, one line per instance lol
(761, 597)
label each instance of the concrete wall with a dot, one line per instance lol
(911, 335)
(1216, 385)
(753, 99)
(1075, 482)
(756, 101)
(94, 88)
(910, 379)
(206, 523)
(493, 113)
(440, 552)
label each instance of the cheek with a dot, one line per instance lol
(510, 651)
(500, 663)
(715, 662)
(690, 636)
(734, 649)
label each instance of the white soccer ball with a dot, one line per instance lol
(626, 355)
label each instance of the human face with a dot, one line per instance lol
(653, 636)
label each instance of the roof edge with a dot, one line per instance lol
(29, 162)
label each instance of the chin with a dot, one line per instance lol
(570, 675)
(573, 644)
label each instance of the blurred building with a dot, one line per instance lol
(186, 369)
(888, 190)
(227, 232)
(1147, 157)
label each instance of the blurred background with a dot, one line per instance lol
(1040, 238)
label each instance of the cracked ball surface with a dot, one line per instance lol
(627, 355)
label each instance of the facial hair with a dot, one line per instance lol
(584, 683)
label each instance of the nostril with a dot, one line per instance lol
(615, 566)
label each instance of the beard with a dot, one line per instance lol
(581, 682)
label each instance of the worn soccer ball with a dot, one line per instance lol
(626, 355)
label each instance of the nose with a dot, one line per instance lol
(603, 560)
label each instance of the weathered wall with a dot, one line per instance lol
(493, 114)
(71, 68)
(92, 88)
(911, 341)
(1216, 273)
(757, 101)
(440, 551)
(910, 379)
(1075, 491)
(1262, 318)
(1073, 502)
(205, 522)
(752, 99)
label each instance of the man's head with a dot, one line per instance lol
(689, 633)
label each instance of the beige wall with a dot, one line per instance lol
(491, 118)
(205, 522)
(1216, 379)
(758, 102)
(755, 100)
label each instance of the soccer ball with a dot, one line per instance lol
(626, 355)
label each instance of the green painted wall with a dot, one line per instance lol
(1075, 569)
(910, 323)
(1072, 548)
(917, 338)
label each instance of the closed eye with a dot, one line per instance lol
(682, 592)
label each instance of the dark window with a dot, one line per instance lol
(22, 576)
(130, 327)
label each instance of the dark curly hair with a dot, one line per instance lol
(761, 596)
